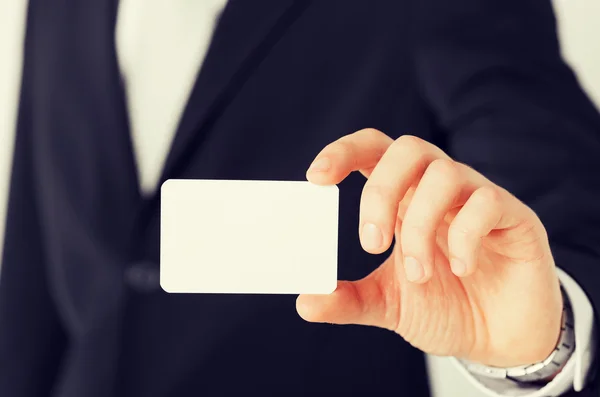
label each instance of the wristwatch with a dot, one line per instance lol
(539, 371)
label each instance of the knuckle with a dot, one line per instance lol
(444, 168)
(378, 193)
(413, 229)
(409, 143)
(343, 146)
(532, 232)
(414, 150)
(489, 195)
(369, 132)
(343, 149)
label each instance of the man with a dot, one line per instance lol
(480, 152)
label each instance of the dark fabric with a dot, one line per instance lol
(81, 311)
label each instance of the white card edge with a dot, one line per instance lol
(167, 289)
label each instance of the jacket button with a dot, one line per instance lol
(142, 277)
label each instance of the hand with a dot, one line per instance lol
(471, 274)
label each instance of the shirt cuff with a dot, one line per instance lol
(575, 372)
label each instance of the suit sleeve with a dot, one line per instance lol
(31, 337)
(506, 104)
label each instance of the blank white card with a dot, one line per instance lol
(253, 237)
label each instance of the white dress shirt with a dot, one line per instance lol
(161, 46)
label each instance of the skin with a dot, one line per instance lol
(471, 274)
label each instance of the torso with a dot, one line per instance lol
(331, 72)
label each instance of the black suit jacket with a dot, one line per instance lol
(81, 311)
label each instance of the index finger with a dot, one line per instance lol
(360, 151)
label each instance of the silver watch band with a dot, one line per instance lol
(538, 371)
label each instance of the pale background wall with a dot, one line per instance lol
(12, 15)
(579, 22)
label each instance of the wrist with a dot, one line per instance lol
(543, 370)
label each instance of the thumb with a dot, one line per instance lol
(371, 301)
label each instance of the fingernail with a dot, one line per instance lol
(371, 237)
(458, 267)
(414, 270)
(320, 165)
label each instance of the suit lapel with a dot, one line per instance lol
(246, 32)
